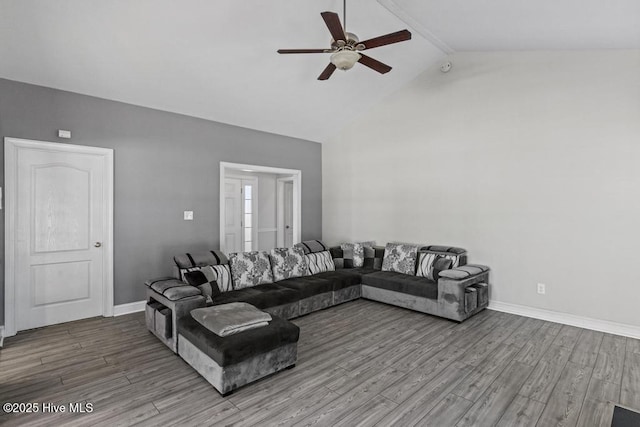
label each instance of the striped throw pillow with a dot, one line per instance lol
(210, 279)
(320, 262)
(427, 261)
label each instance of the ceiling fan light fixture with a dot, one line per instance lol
(345, 59)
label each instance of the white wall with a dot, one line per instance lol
(531, 161)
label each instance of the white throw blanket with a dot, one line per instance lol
(229, 319)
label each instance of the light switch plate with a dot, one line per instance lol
(188, 215)
(66, 134)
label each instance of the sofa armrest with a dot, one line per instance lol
(172, 289)
(452, 285)
(178, 297)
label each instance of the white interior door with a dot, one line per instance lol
(232, 215)
(288, 214)
(62, 203)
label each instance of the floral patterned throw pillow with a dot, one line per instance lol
(250, 269)
(400, 258)
(287, 263)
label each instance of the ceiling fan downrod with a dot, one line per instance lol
(344, 15)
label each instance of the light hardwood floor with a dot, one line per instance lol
(360, 363)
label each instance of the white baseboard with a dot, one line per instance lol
(568, 319)
(132, 307)
(1, 336)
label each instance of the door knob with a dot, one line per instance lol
(287, 226)
(97, 244)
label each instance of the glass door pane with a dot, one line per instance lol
(247, 191)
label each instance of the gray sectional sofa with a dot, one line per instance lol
(333, 276)
(456, 294)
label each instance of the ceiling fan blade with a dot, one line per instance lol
(304, 50)
(374, 64)
(327, 72)
(333, 24)
(398, 36)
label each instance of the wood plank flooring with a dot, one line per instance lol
(360, 363)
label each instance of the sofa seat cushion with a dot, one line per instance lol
(236, 348)
(404, 283)
(308, 286)
(343, 278)
(261, 296)
(365, 270)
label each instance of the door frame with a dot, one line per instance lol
(238, 168)
(12, 147)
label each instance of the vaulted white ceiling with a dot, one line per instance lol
(216, 59)
(490, 25)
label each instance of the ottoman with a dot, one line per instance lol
(235, 360)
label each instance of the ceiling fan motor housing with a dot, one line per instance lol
(351, 43)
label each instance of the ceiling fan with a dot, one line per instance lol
(346, 48)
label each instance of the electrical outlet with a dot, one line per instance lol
(188, 215)
(542, 288)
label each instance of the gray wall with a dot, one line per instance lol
(165, 163)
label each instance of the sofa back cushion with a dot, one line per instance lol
(319, 262)
(194, 260)
(400, 257)
(458, 256)
(287, 263)
(354, 255)
(431, 264)
(212, 280)
(373, 257)
(200, 259)
(250, 269)
(353, 252)
(311, 246)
